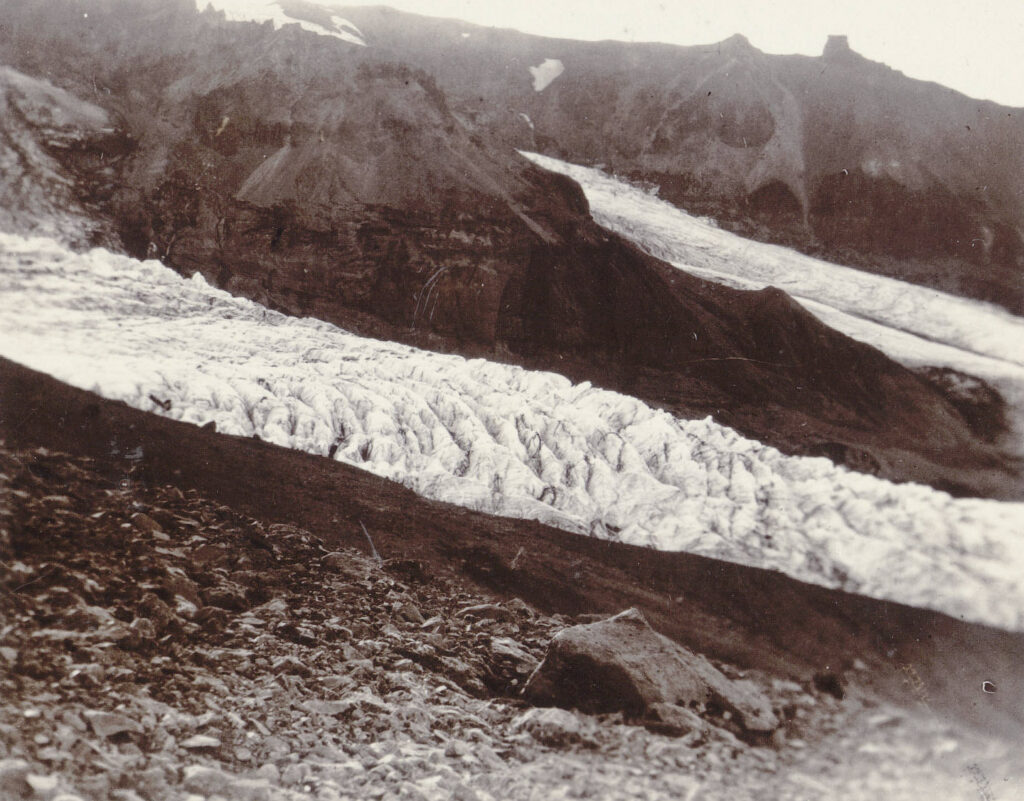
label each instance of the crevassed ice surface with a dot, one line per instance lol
(498, 438)
(914, 325)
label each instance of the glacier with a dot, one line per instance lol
(499, 438)
(911, 324)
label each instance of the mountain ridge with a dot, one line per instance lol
(840, 156)
(314, 177)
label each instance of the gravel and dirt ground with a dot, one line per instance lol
(159, 643)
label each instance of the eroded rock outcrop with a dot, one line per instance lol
(58, 155)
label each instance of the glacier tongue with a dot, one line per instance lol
(912, 324)
(498, 438)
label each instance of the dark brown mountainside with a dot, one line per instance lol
(308, 174)
(838, 155)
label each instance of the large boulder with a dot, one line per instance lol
(622, 664)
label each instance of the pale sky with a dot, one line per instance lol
(975, 47)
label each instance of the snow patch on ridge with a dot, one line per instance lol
(312, 17)
(914, 325)
(545, 72)
(499, 438)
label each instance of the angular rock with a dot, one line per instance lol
(462, 673)
(410, 613)
(368, 701)
(143, 630)
(520, 607)
(622, 664)
(144, 522)
(273, 608)
(212, 618)
(152, 783)
(226, 596)
(207, 555)
(289, 664)
(270, 772)
(13, 773)
(463, 792)
(44, 787)
(336, 560)
(205, 780)
(326, 708)
(177, 583)
(673, 720)
(411, 570)
(553, 726)
(163, 617)
(295, 633)
(184, 607)
(486, 612)
(109, 724)
(200, 741)
(250, 790)
(512, 652)
(294, 774)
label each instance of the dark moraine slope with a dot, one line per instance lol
(747, 617)
(320, 179)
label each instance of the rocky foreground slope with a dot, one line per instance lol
(159, 645)
(755, 619)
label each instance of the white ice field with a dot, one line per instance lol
(499, 438)
(912, 324)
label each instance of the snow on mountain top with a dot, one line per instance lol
(499, 438)
(545, 72)
(912, 324)
(314, 17)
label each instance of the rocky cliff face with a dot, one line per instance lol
(321, 178)
(57, 157)
(838, 155)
